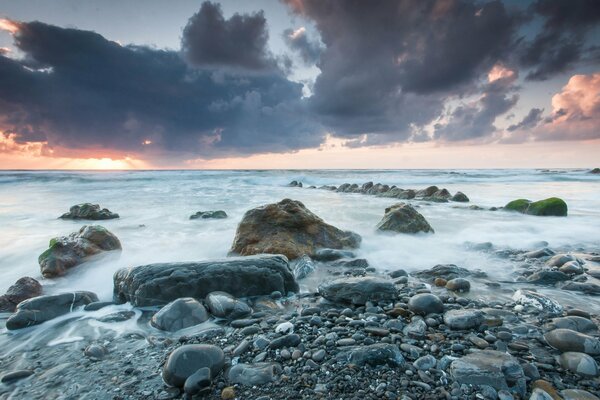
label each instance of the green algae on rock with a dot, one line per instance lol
(552, 206)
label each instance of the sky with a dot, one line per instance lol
(150, 84)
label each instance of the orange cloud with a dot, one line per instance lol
(500, 72)
(10, 26)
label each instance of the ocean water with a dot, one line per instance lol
(155, 207)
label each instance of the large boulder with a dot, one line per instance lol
(180, 314)
(40, 309)
(403, 218)
(89, 211)
(23, 289)
(552, 206)
(358, 290)
(158, 284)
(288, 228)
(491, 368)
(69, 251)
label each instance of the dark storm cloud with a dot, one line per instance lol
(209, 40)
(390, 66)
(531, 120)
(77, 90)
(562, 41)
(309, 50)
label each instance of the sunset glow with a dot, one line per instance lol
(9, 26)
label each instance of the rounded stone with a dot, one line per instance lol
(187, 359)
(568, 340)
(179, 314)
(458, 285)
(425, 303)
(579, 363)
(198, 381)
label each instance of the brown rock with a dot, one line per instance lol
(288, 228)
(25, 288)
(440, 282)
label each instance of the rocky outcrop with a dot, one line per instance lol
(552, 206)
(358, 290)
(403, 218)
(218, 214)
(158, 284)
(89, 211)
(23, 289)
(69, 251)
(288, 228)
(44, 308)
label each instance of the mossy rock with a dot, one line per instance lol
(519, 205)
(552, 206)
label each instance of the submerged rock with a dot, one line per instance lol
(358, 290)
(288, 228)
(23, 289)
(373, 355)
(460, 197)
(403, 218)
(542, 303)
(179, 314)
(447, 272)
(224, 305)
(89, 211)
(565, 340)
(332, 254)
(69, 251)
(40, 309)
(158, 284)
(253, 374)
(187, 359)
(303, 267)
(552, 206)
(492, 368)
(219, 214)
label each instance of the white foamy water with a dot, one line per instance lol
(155, 207)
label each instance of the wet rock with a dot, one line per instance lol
(425, 303)
(69, 251)
(218, 214)
(95, 352)
(545, 252)
(416, 329)
(332, 254)
(545, 277)
(157, 284)
(565, 340)
(552, 206)
(463, 319)
(179, 314)
(574, 323)
(398, 273)
(254, 374)
(198, 382)
(288, 228)
(358, 290)
(23, 289)
(187, 359)
(97, 305)
(44, 308)
(89, 211)
(224, 305)
(403, 218)
(579, 363)
(460, 197)
(355, 263)
(492, 368)
(425, 363)
(584, 287)
(560, 259)
(303, 267)
(290, 340)
(447, 272)
(15, 376)
(460, 285)
(572, 268)
(578, 394)
(295, 184)
(543, 303)
(373, 355)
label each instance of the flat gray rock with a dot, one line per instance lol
(358, 290)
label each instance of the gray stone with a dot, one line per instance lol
(534, 299)
(375, 354)
(179, 314)
(463, 319)
(89, 211)
(67, 252)
(489, 367)
(425, 303)
(579, 363)
(545, 252)
(303, 267)
(332, 254)
(95, 351)
(572, 268)
(460, 197)
(253, 374)
(358, 290)
(565, 340)
(447, 272)
(157, 284)
(577, 394)
(219, 214)
(403, 218)
(224, 305)
(545, 277)
(198, 381)
(15, 376)
(458, 285)
(416, 328)
(187, 359)
(425, 363)
(290, 340)
(23, 289)
(44, 308)
(574, 323)
(559, 259)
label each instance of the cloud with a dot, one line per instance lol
(390, 68)
(78, 91)
(531, 120)
(209, 40)
(309, 50)
(562, 40)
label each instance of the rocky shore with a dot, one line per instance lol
(241, 327)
